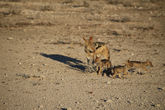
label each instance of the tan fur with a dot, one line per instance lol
(138, 64)
(102, 52)
(89, 48)
(119, 71)
(96, 49)
(102, 63)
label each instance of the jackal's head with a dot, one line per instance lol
(89, 46)
(128, 63)
(149, 63)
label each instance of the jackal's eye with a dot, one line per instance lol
(90, 51)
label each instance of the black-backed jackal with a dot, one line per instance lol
(95, 49)
(139, 64)
(102, 64)
(119, 71)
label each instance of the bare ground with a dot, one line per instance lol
(42, 58)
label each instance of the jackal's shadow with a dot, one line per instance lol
(72, 62)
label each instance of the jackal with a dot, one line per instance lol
(139, 64)
(119, 71)
(95, 49)
(102, 64)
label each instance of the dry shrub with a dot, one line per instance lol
(46, 8)
(114, 2)
(125, 3)
(67, 1)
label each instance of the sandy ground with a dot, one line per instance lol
(43, 63)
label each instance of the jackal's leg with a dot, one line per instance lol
(145, 68)
(99, 70)
(126, 76)
(90, 66)
(139, 70)
(88, 60)
(105, 72)
(114, 75)
(119, 75)
(125, 71)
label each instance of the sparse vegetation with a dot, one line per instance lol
(67, 1)
(47, 8)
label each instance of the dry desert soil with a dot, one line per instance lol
(43, 63)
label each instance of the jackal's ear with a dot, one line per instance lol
(84, 39)
(128, 60)
(91, 38)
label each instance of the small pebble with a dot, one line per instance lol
(108, 82)
(66, 108)
(19, 63)
(109, 101)
(129, 102)
(161, 88)
(96, 101)
(161, 73)
(153, 105)
(40, 106)
(44, 64)
(5, 75)
(116, 98)
(157, 105)
(10, 38)
(77, 102)
(32, 64)
(38, 69)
